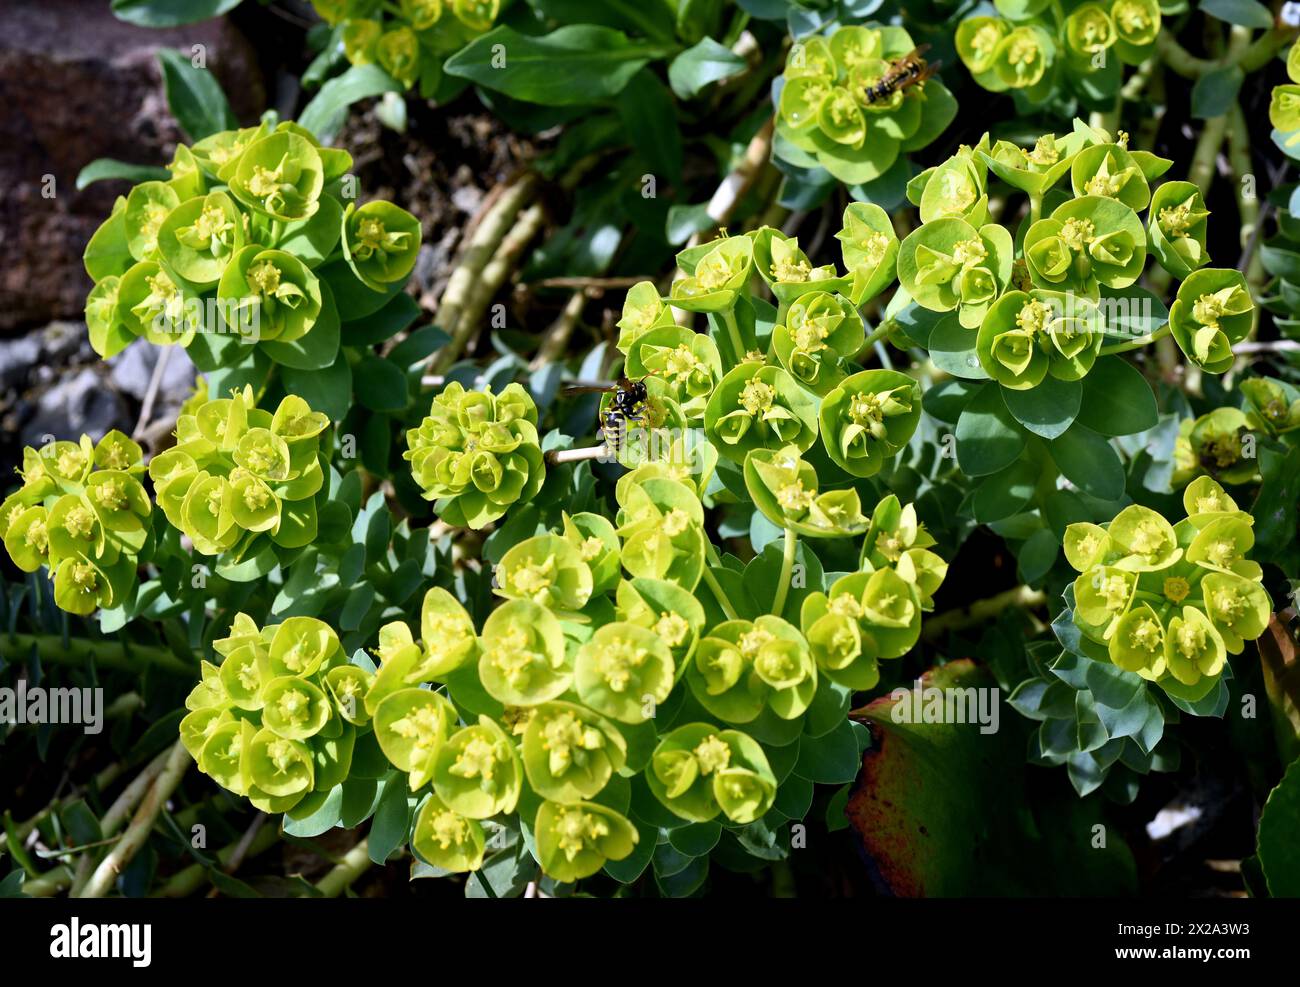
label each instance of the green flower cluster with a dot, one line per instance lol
(569, 700)
(278, 720)
(1045, 306)
(786, 387)
(876, 612)
(1167, 601)
(476, 453)
(1035, 45)
(847, 103)
(251, 239)
(241, 478)
(82, 512)
(410, 39)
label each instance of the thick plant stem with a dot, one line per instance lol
(49, 884)
(354, 863)
(1201, 171)
(787, 569)
(1250, 56)
(733, 333)
(556, 457)
(1248, 208)
(487, 283)
(981, 611)
(115, 817)
(556, 340)
(136, 834)
(79, 651)
(483, 243)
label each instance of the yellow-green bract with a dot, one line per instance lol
(82, 512)
(1170, 601)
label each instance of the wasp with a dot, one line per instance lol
(628, 405)
(910, 70)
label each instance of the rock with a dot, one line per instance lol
(78, 85)
(17, 357)
(79, 403)
(133, 369)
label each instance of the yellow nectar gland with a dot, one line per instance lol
(868, 410)
(110, 495)
(513, 658)
(618, 664)
(448, 829)
(423, 727)
(757, 397)
(1114, 590)
(294, 707)
(970, 252)
(566, 739)
(84, 577)
(1078, 233)
(985, 42)
(478, 759)
(534, 579)
(256, 496)
(38, 536)
(712, 754)
(264, 181)
(1149, 539)
(1191, 639)
(264, 278)
(1174, 220)
(70, 463)
(1176, 589)
(845, 605)
(79, 522)
(793, 498)
(890, 546)
(576, 830)
(791, 270)
(1147, 635)
(675, 522)
(1208, 309)
(672, 628)
(680, 363)
(282, 755)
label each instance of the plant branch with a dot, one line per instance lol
(111, 867)
(106, 654)
(787, 568)
(489, 231)
(354, 863)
